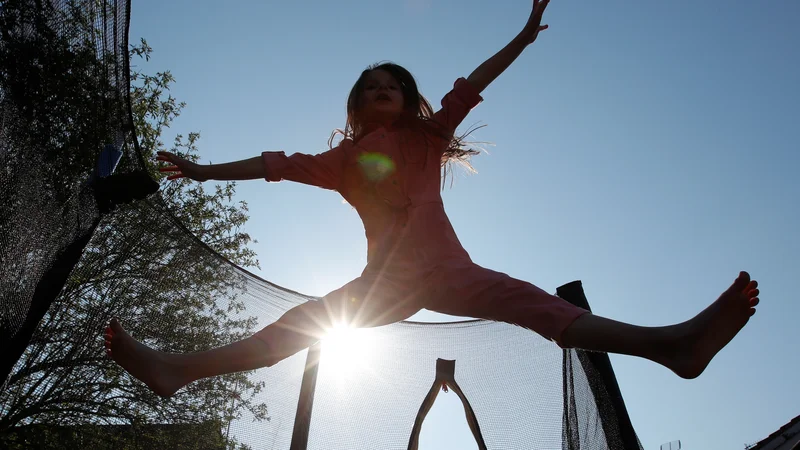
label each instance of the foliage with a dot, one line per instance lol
(141, 264)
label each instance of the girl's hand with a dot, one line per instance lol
(534, 25)
(181, 167)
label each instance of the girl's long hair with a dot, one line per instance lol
(417, 113)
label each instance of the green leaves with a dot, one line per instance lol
(141, 264)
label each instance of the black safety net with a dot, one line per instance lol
(85, 235)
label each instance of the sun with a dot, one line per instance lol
(345, 350)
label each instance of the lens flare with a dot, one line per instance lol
(376, 166)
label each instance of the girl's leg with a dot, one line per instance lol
(165, 373)
(297, 329)
(685, 348)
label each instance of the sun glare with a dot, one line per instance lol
(345, 350)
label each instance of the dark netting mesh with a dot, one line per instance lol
(63, 100)
(76, 251)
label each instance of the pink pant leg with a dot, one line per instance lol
(466, 289)
(368, 301)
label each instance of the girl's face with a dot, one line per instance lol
(382, 97)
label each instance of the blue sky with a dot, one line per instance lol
(646, 148)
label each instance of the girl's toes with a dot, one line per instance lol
(753, 302)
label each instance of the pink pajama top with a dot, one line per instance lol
(392, 177)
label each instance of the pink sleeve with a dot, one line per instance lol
(457, 104)
(323, 170)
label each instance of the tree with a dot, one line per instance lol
(154, 263)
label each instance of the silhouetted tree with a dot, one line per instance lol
(141, 264)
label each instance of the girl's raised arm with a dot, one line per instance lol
(465, 94)
(499, 62)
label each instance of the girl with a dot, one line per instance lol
(389, 168)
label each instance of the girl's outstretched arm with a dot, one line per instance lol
(497, 64)
(323, 170)
(246, 169)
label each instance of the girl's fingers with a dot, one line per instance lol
(542, 5)
(175, 177)
(168, 157)
(169, 169)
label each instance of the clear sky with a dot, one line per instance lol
(646, 148)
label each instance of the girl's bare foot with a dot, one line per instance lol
(153, 368)
(701, 338)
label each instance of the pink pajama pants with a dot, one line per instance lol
(459, 288)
